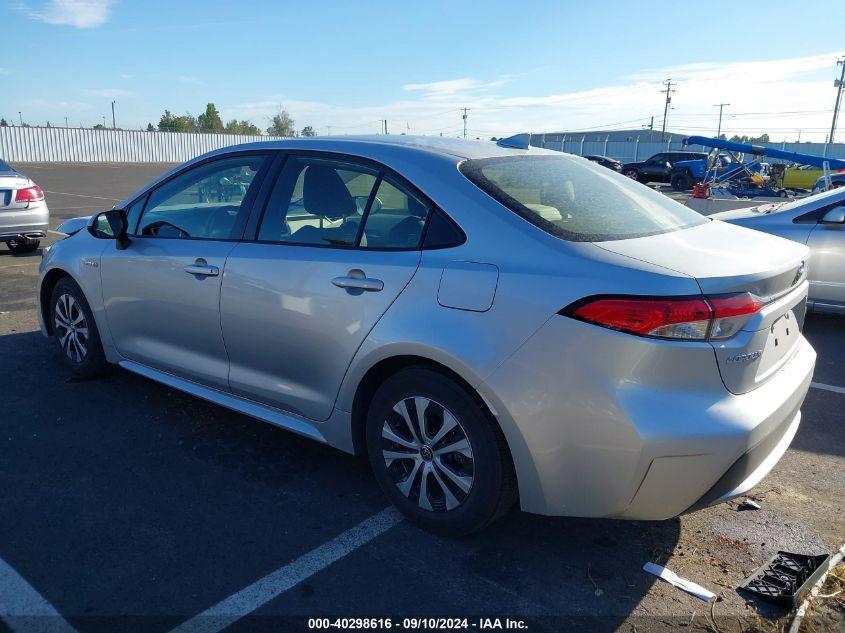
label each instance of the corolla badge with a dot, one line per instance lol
(744, 358)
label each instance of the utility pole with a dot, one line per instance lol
(838, 83)
(20, 118)
(113, 123)
(720, 106)
(329, 130)
(384, 126)
(465, 120)
(66, 125)
(668, 91)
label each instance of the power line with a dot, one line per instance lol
(668, 91)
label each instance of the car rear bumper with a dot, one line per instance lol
(605, 424)
(31, 222)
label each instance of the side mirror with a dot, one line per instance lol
(668, 165)
(835, 216)
(110, 225)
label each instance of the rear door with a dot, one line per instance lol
(337, 243)
(162, 293)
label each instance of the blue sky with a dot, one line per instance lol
(520, 66)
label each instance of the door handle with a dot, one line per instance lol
(201, 267)
(355, 279)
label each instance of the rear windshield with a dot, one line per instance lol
(577, 200)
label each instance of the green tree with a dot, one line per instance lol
(210, 120)
(150, 127)
(3, 123)
(99, 126)
(242, 127)
(171, 123)
(282, 125)
(308, 131)
(763, 138)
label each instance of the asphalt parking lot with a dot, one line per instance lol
(129, 506)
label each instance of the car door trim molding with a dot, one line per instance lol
(277, 417)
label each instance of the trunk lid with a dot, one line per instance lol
(726, 259)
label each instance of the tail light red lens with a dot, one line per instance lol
(30, 194)
(681, 318)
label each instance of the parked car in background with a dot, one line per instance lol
(658, 168)
(800, 177)
(836, 180)
(486, 321)
(817, 221)
(605, 161)
(24, 216)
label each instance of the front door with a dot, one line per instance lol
(337, 244)
(827, 261)
(162, 293)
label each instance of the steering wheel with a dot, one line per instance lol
(154, 228)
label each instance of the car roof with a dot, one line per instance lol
(372, 145)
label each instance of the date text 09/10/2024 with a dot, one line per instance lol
(414, 624)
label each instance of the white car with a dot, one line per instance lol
(24, 216)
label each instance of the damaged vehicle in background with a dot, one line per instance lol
(24, 216)
(488, 322)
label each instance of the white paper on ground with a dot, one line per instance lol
(681, 583)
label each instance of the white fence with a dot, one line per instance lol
(86, 145)
(630, 151)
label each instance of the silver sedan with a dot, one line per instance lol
(24, 216)
(817, 221)
(488, 322)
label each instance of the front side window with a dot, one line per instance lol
(203, 202)
(577, 201)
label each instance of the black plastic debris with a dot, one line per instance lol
(786, 577)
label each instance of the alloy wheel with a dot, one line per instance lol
(427, 454)
(71, 328)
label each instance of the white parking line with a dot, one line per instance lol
(259, 593)
(833, 388)
(22, 608)
(81, 195)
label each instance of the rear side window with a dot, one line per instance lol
(577, 201)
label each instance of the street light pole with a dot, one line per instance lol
(113, 123)
(20, 118)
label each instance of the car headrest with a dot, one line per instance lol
(323, 193)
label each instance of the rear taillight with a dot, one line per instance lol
(681, 318)
(30, 194)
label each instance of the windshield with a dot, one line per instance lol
(4, 166)
(577, 200)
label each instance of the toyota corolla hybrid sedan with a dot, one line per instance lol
(487, 322)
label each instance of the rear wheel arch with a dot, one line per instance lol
(390, 366)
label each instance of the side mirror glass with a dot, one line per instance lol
(110, 225)
(835, 216)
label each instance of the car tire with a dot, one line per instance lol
(681, 182)
(450, 492)
(633, 174)
(23, 247)
(75, 331)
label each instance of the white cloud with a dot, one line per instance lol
(82, 14)
(108, 93)
(778, 96)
